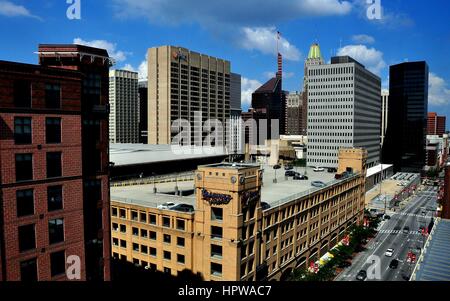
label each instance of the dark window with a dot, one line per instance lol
(167, 255)
(135, 231)
(57, 263)
(167, 238)
(152, 219)
(114, 211)
(180, 258)
(216, 251)
(166, 222)
(180, 241)
(216, 232)
(216, 214)
(54, 198)
(56, 230)
(123, 243)
(135, 247)
(152, 235)
(27, 238)
(22, 130)
(24, 167)
(167, 270)
(216, 269)
(52, 96)
(123, 228)
(52, 130)
(134, 215)
(144, 233)
(54, 168)
(153, 251)
(22, 94)
(180, 224)
(144, 249)
(28, 270)
(25, 202)
(143, 217)
(123, 213)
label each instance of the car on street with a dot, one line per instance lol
(300, 177)
(183, 208)
(386, 217)
(319, 184)
(406, 230)
(389, 252)
(276, 166)
(166, 205)
(362, 275)
(318, 169)
(393, 264)
(289, 173)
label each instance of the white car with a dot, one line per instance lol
(389, 252)
(318, 169)
(166, 205)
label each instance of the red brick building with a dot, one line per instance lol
(436, 124)
(54, 193)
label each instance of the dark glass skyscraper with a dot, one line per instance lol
(408, 107)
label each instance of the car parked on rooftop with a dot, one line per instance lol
(183, 208)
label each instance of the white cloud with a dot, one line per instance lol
(438, 92)
(248, 86)
(370, 57)
(270, 74)
(128, 67)
(118, 55)
(10, 9)
(142, 69)
(264, 39)
(363, 39)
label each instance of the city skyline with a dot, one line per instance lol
(127, 28)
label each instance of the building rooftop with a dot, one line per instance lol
(134, 154)
(269, 87)
(274, 194)
(377, 169)
(434, 264)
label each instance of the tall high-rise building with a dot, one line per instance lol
(143, 111)
(384, 113)
(436, 124)
(294, 113)
(54, 193)
(344, 110)
(235, 132)
(181, 84)
(124, 107)
(314, 58)
(405, 142)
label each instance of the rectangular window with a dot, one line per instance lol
(54, 198)
(115, 227)
(25, 202)
(123, 243)
(135, 231)
(143, 217)
(58, 263)
(27, 238)
(216, 269)
(56, 230)
(123, 228)
(152, 235)
(115, 241)
(153, 251)
(22, 130)
(216, 214)
(134, 215)
(216, 232)
(216, 251)
(180, 258)
(144, 249)
(54, 166)
(180, 224)
(152, 219)
(135, 247)
(166, 222)
(167, 255)
(52, 130)
(180, 241)
(123, 213)
(114, 211)
(22, 94)
(24, 167)
(52, 96)
(167, 238)
(144, 233)
(28, 270)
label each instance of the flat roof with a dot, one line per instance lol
(135, 154)
(435, 265)
(275, 194)
(377, 169)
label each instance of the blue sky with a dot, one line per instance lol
(243, 31)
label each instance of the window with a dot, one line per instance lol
(52, 130)
(216, 269)
(152, 219)
(57, 263)
(52, 96)
(167, 238)
(167, 255)
(180, 258)
(27, 238)
(180, 224)
(144, 233)
(115, 241)
(152, 235)
(166, 222)
(22, 94)
(135, 247)
(25, 202)
(216, 232)
(153, 251)
(123, 213)
(123, 243)
(135, 231)
(55, 198)
(28, 270)
(24, 167)
(114, 211)
(56, 230)
(167, 270)
(143, 217)
(134, 215)
(115, 227)
(54, 168)
(136, 261)
(216, 251)
(22, 130)
(180, 241)
(216, 214)
(123, 228)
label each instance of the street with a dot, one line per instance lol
(418, 212)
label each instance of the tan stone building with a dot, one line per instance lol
(180, 83)
(242, 228)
